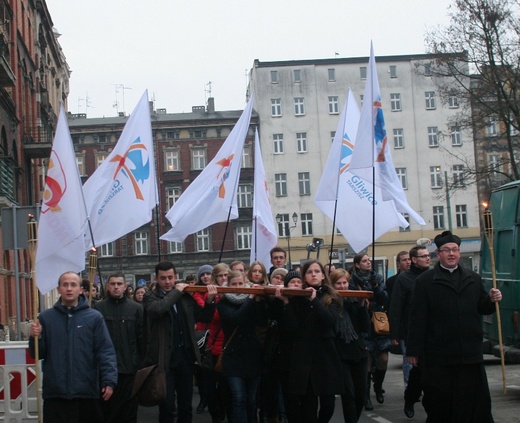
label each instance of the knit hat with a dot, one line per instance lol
(278, 271)
(206, 268)
(291, 275)
(445, 238)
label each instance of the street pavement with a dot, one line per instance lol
(506, 408)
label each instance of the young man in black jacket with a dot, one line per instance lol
(124, 319)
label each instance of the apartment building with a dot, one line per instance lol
(298, 104)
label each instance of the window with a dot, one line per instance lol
(171, 160)
(398, 138)
(363, 72)
(278, 144)
(276, 107)
(395, 102)
(306, 221)
(429, 97)
(299, 107)
(274, 77)
(361, 98)
(172, 195)
(283, 226)
(461, 215)
(332, 136)
(401, 174)
(333, 105)
(280, 182)
(438, 217)
(107, 250)
(494, 163)
(433, 139)
(140, 243)
(304, 183)
(297, 75)
(453, 102)
(435, 177)
(301, 142)
(491, 127)
(247, 160)
(175, 247)
(407, 218)
(245, 195)
(428, 69)
(243, 237)
(456, 138)
(458, 175)
(198, 159)
(80, 161)
(100, 158)
(332, 74)
(202, 240)
(392, 70)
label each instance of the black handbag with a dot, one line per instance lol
(150, 382)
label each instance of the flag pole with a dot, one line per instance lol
(92, 267)
(32, 245)
(487, 216)
(224, 237)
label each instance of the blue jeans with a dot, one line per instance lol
(243, 398)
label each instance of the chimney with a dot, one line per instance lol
(211, 105)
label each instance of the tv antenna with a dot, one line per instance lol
(117, 88)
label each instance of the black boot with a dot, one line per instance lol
(368, 403)
(379, 376)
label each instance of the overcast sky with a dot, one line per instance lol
(174, 48)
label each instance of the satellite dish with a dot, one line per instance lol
(424, 242)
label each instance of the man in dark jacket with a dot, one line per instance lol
(124, 319)
(79, 361)
(171, 312)
(445, 332)
(399, 319)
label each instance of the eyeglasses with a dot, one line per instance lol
(424, 256)
(449, 250)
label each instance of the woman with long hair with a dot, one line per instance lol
(314, 361)
(257, 274)
(351, 348)
(242, 361)
(367, 279)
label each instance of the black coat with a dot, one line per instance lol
(158, 307)
(124, 320)
(314, 361)
(445, 319)
(244, 354)
(401, 301)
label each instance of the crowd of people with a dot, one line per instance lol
(283, 357)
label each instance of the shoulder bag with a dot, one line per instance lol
(150, 383)
(218, 364)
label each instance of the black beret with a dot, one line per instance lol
(445, 238)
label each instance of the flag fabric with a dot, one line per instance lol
(372, 148)
(122, 193)
(212, 196)
(264, 236)
(346, 198)
(63, 215)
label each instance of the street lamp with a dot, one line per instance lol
(287, 230)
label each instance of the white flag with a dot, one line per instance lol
(346, 198)
(63, 215)
(122, 192)
(264, 230)
(212, 196)
(372, 148)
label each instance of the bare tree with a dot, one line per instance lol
(477, 62)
